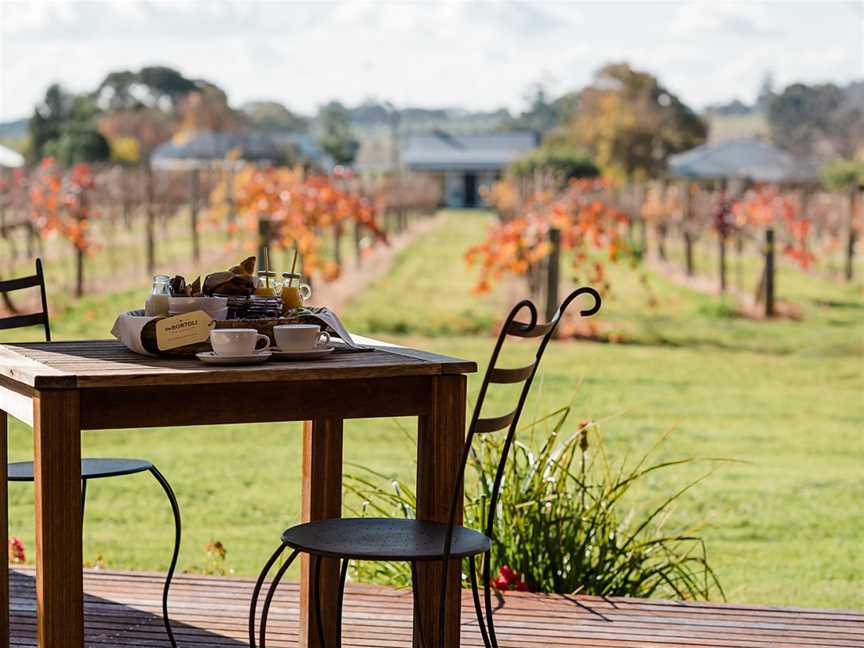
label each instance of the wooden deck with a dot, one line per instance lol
(123, 609)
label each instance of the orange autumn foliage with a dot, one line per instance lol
(585, 222)
(766, 206)
(299, 208)
(58, 201)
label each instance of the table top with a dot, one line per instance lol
(107, 363)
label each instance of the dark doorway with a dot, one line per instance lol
(470, 189)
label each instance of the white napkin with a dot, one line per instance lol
(127, 328)
(330, 319)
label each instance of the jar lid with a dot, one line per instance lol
(292, 275)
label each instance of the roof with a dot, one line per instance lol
(10, 159)
(205, 147)
(748, 158)
(442, 151)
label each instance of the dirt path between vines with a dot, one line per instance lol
(354, 280)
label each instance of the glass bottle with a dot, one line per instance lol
(293, 292)
(157, 302)
(266, 284)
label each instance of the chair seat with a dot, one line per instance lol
(90, 468)
(383, 539)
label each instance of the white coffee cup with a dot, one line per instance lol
(296, 338)
(237, 342)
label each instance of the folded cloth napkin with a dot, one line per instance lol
(127, 328)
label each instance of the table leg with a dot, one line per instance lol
(57, 469)
(440, 444)
(4, 537)
(322, 499)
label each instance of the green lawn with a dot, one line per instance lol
(784, 524)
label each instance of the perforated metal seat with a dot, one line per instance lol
(22, 471)
(384, 539)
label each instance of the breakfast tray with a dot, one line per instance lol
(138, 332)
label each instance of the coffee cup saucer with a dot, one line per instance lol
(309, 354)
(211, 357)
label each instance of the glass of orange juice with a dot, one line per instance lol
(266, 284)
(294, 292)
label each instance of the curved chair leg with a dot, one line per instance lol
(418, 621)
(487, 594)
(343, 573)
(270, 593)
(316, 597)
(257, 591)
(175, 509)
(442, 604)
(478, 609)
(83, 499)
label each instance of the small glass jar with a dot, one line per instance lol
(266, 284)
(157, 302)
(293, 292)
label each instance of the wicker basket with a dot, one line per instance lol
(262, 325)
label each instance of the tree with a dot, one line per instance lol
(336, 138)
(821, 121)
(147, 127)
(273, 116)
(154, 87)
(207, 109)
(542, 114)
(64, 126)
(143, 109)
(631, 124)
(766, 92)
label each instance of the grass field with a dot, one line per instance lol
(783, 523)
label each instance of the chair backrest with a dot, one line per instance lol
(31, 319)
(497, 375)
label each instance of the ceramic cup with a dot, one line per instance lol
(237, 342)
(296, 338)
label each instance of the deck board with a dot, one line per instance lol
(124, 609)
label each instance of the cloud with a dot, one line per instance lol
(696, 19)
(479, 55)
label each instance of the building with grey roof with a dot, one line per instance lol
(743, 159)
(205, 148)
(464, 163)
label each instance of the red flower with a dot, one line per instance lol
(509, 580)
(16, 551)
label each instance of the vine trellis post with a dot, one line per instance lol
(769, 272)
(852, 234)
(553, 273)
(194, 200)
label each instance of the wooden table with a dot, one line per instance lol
(62, 388)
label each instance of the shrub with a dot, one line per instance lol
(843, 174)
(564, 524)
(562, 160)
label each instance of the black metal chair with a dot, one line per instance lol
(22, 471)
(400, 539)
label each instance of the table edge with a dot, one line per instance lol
(55, 379)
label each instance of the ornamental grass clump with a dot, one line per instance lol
(569, 519)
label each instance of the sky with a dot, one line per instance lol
(478, 55)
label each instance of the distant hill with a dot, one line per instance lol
(14, 129)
